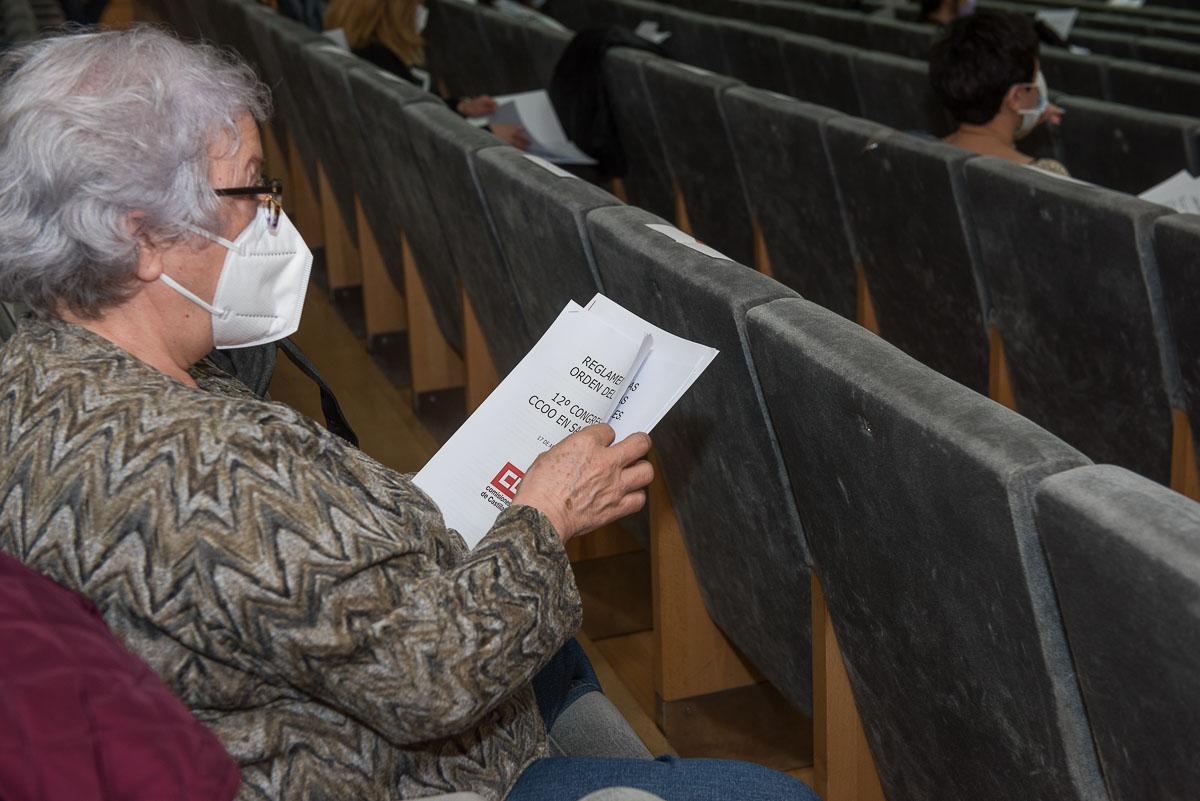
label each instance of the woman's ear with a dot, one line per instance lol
(149, 254)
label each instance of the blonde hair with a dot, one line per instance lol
(392, 23)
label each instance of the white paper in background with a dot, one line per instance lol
(533, 112)
(422, 18)
(1061, 21)
(687, 240)
(1180, 192)
(548, 167)
(648, 30)
(1127, 3)
(423, 76)
(1079, 50)
(672, 367)
(338, 37)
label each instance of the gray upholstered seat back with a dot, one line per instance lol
(788, 181)
(381, 99)
(755, 55)
(544, 46)
(696, 39)
(688, 108)
(1074, 74)
(648, 179)
(10, 313)
(821, 72)
(1176, 246)
(266, 26)
(506, 39)
(719, 458)
(907, 39)
(1125, 559)
(1073, 285)
(467, 56)
(1169, 53)
(906, 206)
(445, 147)
(896, 92)
(1148, 86)
(1124, 148)
(916, 495)
(350, 168)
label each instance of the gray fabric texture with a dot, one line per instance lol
(301, 53)
(755, 55)
(696, 39)
(267, 29)
(1075, 74)
(593, 727)
(907, 39)
(1176, 243)
(924, 543)
(688, 109)
(895, 91)
(1180, 55)
(1076, 297)
(1124, 148)
(648, 179)
(917, 248)
(821, 72)
(379, 98)
(248, 35)
(1125, 560)
(467, 57)
(506, 38)
(787, 178)
(445, 148)
(719, 458)
(1148, 86)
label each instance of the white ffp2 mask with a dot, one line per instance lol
(260, 293)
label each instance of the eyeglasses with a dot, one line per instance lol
(271, 193)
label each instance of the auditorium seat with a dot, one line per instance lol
(719, 458)
(467, 61)
(511, 67)
(907, 39)
(1073, 287)
(1074, 74)
(916, 495)
(544, 47)
(1125, 148)
(1158, 88)
(696, 39)
(1109, 43)
(821, 72)
(648, 178)
(906, 207)
(1125, 561)
(895, 91)
(1176, 245)
(381, 99)
(687, 106)
(445, 147)
(1169, 53)
(788, 181)
(540, 220)
(348, 128)
(755, 55)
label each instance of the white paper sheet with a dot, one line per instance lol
(554, 169)
(1127, 3)
(1061, 21)
(533, 112)
(688, 240)
(1180, 192)
(596, 364)
(648, 30)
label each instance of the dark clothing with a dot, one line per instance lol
(580, 98)
(308, 12)
(383, 57)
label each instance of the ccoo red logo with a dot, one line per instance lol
(508, 479)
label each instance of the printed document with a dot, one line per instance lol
(595, 364)
(533, 112)
(1180, 192)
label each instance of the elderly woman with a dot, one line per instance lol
(306, 602)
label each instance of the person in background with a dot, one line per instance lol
(985, 70)
(388, 34)
(943, 12)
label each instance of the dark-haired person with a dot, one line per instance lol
(985, 70)
(943, 12)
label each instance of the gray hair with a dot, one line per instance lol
(94, 129)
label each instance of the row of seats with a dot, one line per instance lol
(811, 444)
(17, 22)
(814, 195)
(1114, 145)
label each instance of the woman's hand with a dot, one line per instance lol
(513, 134)
(1052, 115)
(481, 106)
(585, 481)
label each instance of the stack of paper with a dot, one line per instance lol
(1180, 192)
(533, 112)
(595, 364)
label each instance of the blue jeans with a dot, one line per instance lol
(569, 675)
